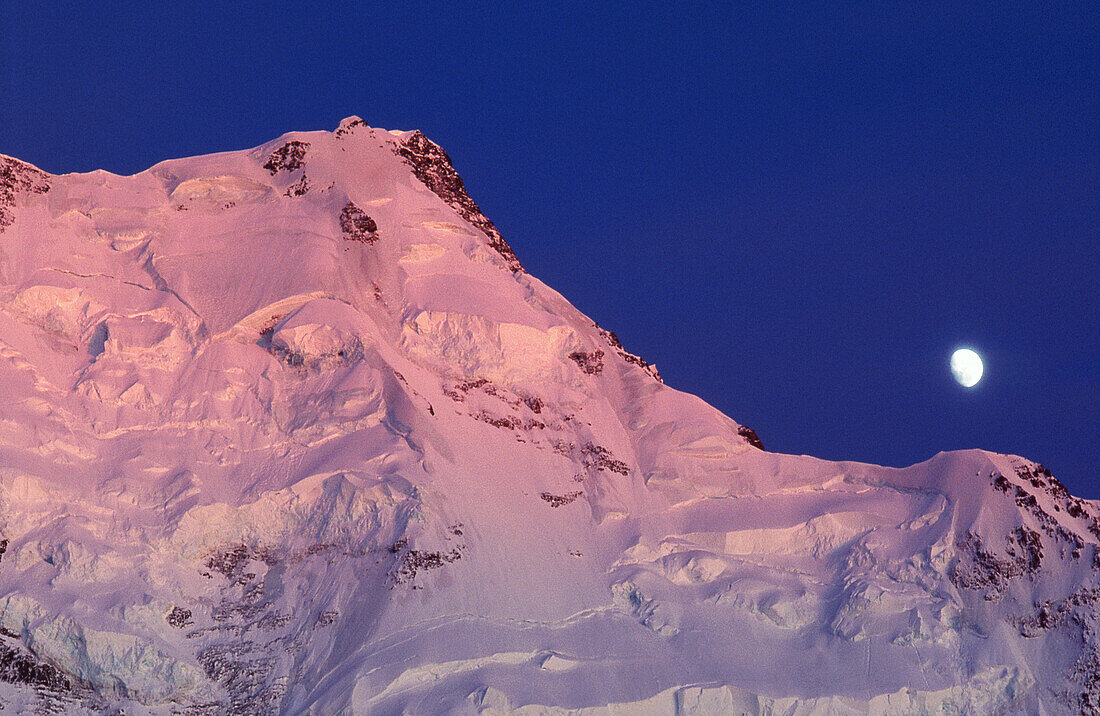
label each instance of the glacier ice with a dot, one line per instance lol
(261, 452)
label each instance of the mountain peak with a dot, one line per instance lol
(290, 430)
(350, 124)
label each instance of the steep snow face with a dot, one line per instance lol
(290, 430)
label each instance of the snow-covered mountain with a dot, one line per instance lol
(290, 430)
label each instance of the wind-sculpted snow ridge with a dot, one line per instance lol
(288, 431)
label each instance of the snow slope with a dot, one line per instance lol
(290, 430)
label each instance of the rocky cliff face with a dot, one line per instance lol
(290, 430)
(17, 178)
(432, 166)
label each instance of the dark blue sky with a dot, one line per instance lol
(796, 210)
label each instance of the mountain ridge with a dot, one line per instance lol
(291, 429)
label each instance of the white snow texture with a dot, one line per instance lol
(290, 430)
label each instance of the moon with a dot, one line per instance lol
(966, 366)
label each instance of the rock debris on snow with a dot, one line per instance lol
(272, 444)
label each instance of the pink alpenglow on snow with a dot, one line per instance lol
(291, 430)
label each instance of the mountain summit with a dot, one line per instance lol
(291, 430)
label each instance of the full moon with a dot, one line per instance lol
(966, 366)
